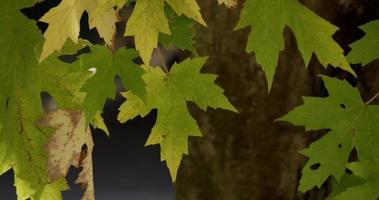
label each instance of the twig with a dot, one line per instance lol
(162, 60)
(372, 99)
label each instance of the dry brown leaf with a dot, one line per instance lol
(70, 145)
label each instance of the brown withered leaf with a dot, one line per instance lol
(71, 144)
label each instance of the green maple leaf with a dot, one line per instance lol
(22, 80)
(148, 20)
(346, 181)
(365, 50)
(352, 123)
(182, 32)
(369, 172)
(168, 93)
(268, 20)
(101, 85)
(64, 22)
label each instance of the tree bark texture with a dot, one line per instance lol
(249, 155)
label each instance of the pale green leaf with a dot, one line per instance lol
(64, 22)
(188, 8)
(134, 107)
(168, 93)
(98, 122)
(148, 20)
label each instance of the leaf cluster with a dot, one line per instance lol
(40, 147)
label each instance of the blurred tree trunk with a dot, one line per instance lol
(249, 156)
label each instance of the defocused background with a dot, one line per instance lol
(245, 156)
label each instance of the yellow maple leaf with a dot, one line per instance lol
(64, 22)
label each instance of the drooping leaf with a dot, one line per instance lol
(64, 22)
(365, 50)
(268, 20)
(352, 124)
(168, 93)
(145, 24)
(22, 81)
(70, 145)
(101, 85)
(148, 20)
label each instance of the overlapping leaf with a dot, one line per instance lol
(168, 93)
(268, 20)
(182, 32)
(64, 22)
(346, 181)
(22, 80)
(148, 20)
(368, 190)
(365, 50)
(101, 85)
(352, 124)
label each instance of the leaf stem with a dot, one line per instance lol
(162, 60)
(372, 98)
